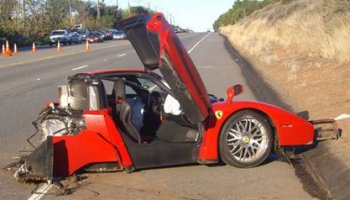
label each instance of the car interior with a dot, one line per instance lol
(138, 110)
(153, 137)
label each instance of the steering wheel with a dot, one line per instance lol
(156, 102)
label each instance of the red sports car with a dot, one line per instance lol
(136, 119)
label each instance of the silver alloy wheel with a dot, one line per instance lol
(247, 139)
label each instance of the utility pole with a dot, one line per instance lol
(70, 12)
(98, 9)
(129, 7)
(23, 9)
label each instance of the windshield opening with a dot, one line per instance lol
(179, 90)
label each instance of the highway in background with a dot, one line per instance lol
(28, 81)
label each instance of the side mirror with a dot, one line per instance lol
(234, 91)
(237, 89)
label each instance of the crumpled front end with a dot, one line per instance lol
(58, 156)
(77, 133)
(54, 121)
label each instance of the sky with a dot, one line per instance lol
(197, 15)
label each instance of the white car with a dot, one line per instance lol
(57, 35)
(118, 35)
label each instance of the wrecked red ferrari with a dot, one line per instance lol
(136, 119)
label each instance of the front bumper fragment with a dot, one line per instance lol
(326, 129)
(38, 166)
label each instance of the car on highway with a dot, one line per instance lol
(57, 35)
(83, 34)
(108, 35)
(95, 37)
(118, 35)
(102, 33)
(72, 37)
(132, 119)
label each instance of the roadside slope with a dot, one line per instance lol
(302, 50)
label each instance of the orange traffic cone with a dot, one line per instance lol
(58, 46)
(87, 47)
(3, 49)
(7, 49)
(33, 48)
(7, 45)
(15, 48)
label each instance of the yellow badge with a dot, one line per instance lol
(219, 114)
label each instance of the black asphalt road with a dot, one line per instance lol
(28, 81)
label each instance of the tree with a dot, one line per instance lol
(25, 21)
(239, 10)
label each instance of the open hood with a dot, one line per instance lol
(159, 48)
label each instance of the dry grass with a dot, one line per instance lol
(302, 49)
(312, 29)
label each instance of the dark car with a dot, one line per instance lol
(83, 34)
(102, 33)
(108, 35)
(95, 37)
(72, 37)
(132, 119)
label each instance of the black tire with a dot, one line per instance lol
(50, 44)
(246, 139)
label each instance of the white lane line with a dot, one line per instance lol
(81, 67)
(121, 55)
(197, 43)
(40, 192)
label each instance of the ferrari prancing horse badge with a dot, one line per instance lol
(219, 114)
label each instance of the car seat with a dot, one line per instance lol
(124, 112)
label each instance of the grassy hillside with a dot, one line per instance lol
(302, 49)
(309, 29)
